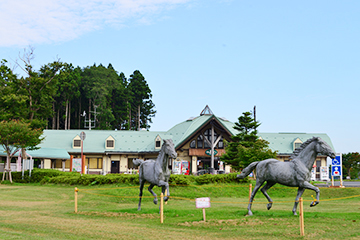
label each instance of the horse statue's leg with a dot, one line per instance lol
(142, 182)
(316, 189)
(256, 188)
(152, 192)
(299, 194)
(166, 187)
(264, 189)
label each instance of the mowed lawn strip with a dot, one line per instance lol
(30, 211)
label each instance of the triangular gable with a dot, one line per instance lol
(206, 111)
(200, 124)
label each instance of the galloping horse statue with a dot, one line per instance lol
(295, 173)
(156, 172)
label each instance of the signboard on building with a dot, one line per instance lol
(208, 152)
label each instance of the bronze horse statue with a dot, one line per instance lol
(295, 173)
(156, 172)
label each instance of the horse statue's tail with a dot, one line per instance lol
(246, 171)
(137, 162)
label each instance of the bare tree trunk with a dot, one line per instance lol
(66, 113)
(139, 118)
(89, 114)
(7, 169)
(57, 121)
(130, 119)
(53, 118)
(69, 114)
(79, 126)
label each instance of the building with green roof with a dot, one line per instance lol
(112, 151)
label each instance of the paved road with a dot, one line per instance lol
(345, 183)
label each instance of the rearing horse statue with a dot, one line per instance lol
(295, 173)
(156, 172)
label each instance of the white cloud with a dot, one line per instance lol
(25, 22)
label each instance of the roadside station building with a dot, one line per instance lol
(112, 151)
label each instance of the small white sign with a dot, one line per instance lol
(76, 165)
(202, 202)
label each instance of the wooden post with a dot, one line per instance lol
(332, 181)
(161, 208)
(166, 195)
(76, 191)
(301, 216)
(71, 162)
(250, 190)
(341, 181)
(204, 215)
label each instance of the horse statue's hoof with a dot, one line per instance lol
(166, 198)
(313, 204)
(155, 201)
(249, 213)
(269, 205)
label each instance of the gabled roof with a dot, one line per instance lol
(183, 131)
(125, 141)
(283, 142)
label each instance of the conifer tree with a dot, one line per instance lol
(246, 146)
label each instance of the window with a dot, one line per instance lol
(297, 145)
(67, 163)
(193, 144)
(94, 163)
(221, 143)
(58, 163)
(318, 165)
(77, 143)
(157, 142)
(200, 141)
(109, 143)
(207, 135)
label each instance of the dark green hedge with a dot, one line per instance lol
(220, 178)
(54, 176)
(37, 175)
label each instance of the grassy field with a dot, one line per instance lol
(110, 212)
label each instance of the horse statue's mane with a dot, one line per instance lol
(298, 150)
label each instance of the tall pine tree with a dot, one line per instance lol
(141, 105)
(246, 147)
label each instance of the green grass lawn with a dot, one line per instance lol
(31, 211)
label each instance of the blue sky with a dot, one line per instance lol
(297, 61)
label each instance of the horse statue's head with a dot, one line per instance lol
(314, 144)
(169, 148)
(323, 148)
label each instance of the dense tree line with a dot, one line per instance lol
(62, 96)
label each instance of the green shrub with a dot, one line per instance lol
(220, 178)
(180, 180)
